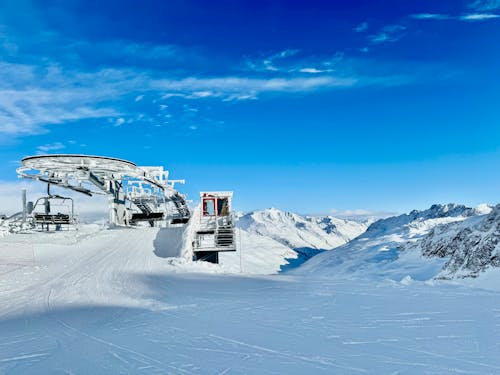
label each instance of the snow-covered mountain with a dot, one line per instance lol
(297, 231)
(384, 249)
(470, 247)
(272, 239)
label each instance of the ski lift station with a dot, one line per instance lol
(137, 196)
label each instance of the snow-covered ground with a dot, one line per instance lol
(274, 240)
(126, 301)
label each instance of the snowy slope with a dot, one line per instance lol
(272, 240)
(257, 254)
(377, 252)
(113, 302)
(92, 266)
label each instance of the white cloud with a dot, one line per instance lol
(361, 213)
(240, 97)
(225, 86)
(203, 94)
(389, 33)
(362, 27)
(431, 16)
(24, 111)
(269, 63)
(485, 5)
(119, 121)
(287, 53)
(478, 17)
(314, 70)
(51, 95)
(50, 147)
(464, 17)
(31, 96)
(35, 96)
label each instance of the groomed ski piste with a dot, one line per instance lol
(101, 300)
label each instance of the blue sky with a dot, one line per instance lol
(314, 107)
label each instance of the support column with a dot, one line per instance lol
(24, 204)
(117, 209)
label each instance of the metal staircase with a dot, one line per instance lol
(224, 234)
(147, 213)
(183, 214)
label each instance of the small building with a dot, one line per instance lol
(215, 231)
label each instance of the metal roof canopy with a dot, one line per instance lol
(109, 175)
(71, 164)
(59, 168)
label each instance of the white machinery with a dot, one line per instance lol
(136, 194)
(215, 230)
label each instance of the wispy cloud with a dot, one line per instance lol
(50, 147)
(52, 95)
(362, 27)
(484, 5)
(292, 62)
(244, 88)
(31, 96)
(314, 70)
(119, 121)
(470, 17)
(389, 33)
(56, 84)
(478, 17)
(430, 16)
(361, 213)
(270, 62)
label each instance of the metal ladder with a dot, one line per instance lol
(142, 206)
(181, 206)
(224, 233)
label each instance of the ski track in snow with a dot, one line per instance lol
(107, 303)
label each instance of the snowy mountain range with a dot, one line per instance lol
(272, 240)
(444, 241)
(297, 231)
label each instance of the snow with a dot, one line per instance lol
(377, 253)
(257, 255)
(470, 247)
(296, 231)
(105, 301)
(272, 240)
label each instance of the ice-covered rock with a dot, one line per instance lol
(471, 246)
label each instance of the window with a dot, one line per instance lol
(208, 207)
(222, 207)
